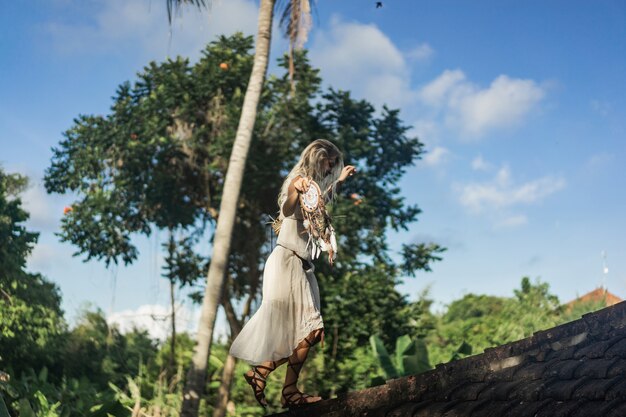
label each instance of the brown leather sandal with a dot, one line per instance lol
(288, 400)
(256, 379)
(296, 398)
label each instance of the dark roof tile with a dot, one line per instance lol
(575, 369)
(526, 408)
(435, 409)
(564, 369)
(467, 392)
(533, 370)
(597, 325)
(494, 408)
(542, 354)
(500, 391)
(503, 374)
(618, 349)
(597, 349)
(618, 369)
(594, 389)
(554, 408)
(561, 390)
(407, 409)
(617, 391)
(528, 391)
(594, 368)
(465, 408)
(597, 408)
(616, 408)
(562, 354)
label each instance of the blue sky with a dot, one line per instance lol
(521, 105)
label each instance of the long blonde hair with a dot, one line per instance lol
(311, 165)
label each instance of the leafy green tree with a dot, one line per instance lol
(31, 320)
(96, 349)
(159, 161)
(172, 130)
(483, 321)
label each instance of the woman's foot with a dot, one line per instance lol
(257, 379)
(291, 397)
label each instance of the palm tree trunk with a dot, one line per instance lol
(223, 394)
(196, 377)
(172, 364)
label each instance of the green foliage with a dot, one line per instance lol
(411, 357)
(419, 256)
(482, 321)
(463, 350)
(17, 242)
(96, 349)
(576, 309)
(30, 314)
(159, 158)
(158, 161)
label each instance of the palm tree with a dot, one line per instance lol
(296, 23)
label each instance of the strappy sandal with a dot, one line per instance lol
(288, 400)
(256, 379)
(296, 398)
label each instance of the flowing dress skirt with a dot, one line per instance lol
(289, 311)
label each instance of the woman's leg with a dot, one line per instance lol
(257, 376)
(291, 394)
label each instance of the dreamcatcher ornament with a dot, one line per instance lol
(317, 223)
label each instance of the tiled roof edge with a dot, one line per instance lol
(558, 337)
(444, 376)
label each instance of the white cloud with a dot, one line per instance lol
(141, 26)
(440, 89)
(474, 110)
(154, 318)
(421, 52)
(479, 164)
(501, 193)
(426, 130)
(436, 157)
(361, 58)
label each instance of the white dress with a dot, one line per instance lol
(290, 307)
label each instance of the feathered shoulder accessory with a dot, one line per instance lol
(317, 223)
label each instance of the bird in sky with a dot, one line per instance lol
(379, 4)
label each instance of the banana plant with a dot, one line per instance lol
(411, 357)
(463, 350)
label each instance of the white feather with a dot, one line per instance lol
(333, 242)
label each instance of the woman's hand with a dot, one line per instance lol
(301, 184)
(347, 171)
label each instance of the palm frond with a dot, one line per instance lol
(295, 22)
(174, 5)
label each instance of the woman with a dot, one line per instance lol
(288, 322)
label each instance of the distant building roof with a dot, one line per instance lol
(575, 369)
(598, 295)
